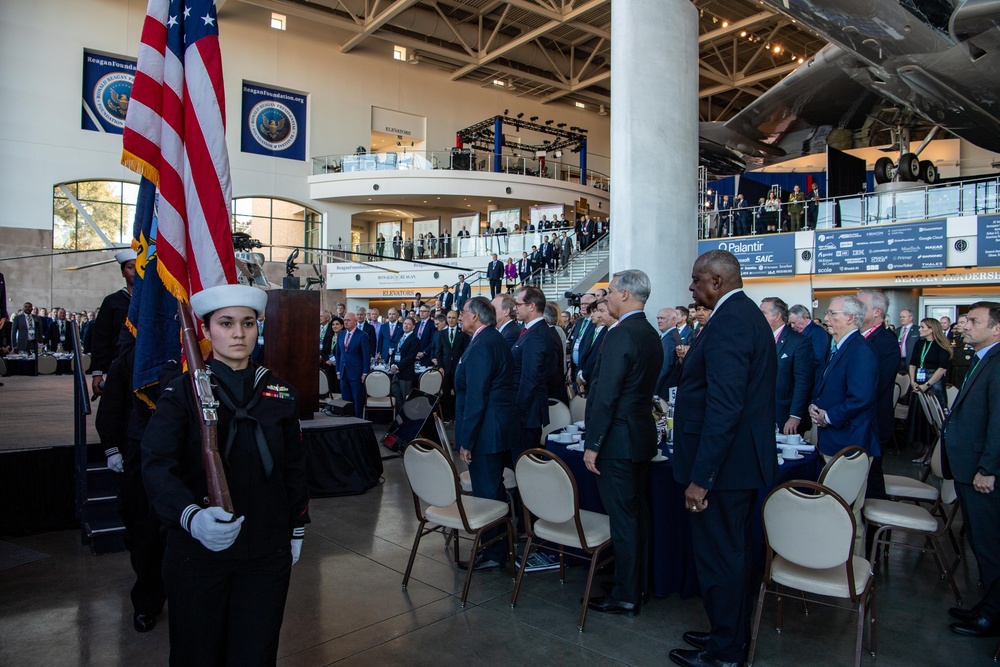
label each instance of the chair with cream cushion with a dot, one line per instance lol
(46, 364)
(431, 381)
(434, 483)
(578, 408)
(559, 417)
(509, 482)
(890, 517)
(548, 492)
(324, 385)
(809, 539)
(846, 473)
(901, 487)
(378, 387)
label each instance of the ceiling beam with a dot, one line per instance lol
(388, 14)
(527, 37)
(746, 81)
(577, 87)
(742, 24)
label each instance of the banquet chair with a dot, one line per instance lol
(549, 492)
(440, 506)
(846, 474)
(559, 417)
(46, 364)
(324, 386)
(465, 479)
(901, 487)
(578, 408)
(431, 381)
(901, 410)
(3, 367)
(891, 517)
(84, 361)
(377, 392)
(809, 539)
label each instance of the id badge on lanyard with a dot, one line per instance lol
(921, 375)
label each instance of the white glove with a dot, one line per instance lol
(296, 550)
(214, 527)
(115, 463)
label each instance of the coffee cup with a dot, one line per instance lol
(789, 452)
(572, 429)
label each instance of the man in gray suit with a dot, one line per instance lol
(972, 453)
(907, 339)
(666, 322)
(27, 331)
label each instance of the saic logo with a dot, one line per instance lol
(111, 97)
(273, 125)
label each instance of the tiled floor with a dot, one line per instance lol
(346, 605)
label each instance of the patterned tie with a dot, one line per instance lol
(451, 336)
(347, 341)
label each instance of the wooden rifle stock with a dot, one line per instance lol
(205, 403)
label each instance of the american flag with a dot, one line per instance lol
(175, 135)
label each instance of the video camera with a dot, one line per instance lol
(572, 299)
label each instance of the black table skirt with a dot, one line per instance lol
(21, 367)
(673, 565)
(342, 455)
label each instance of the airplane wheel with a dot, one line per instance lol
(909, 167)
(883, 170)
(928, 172)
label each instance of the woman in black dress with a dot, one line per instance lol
(226, 575)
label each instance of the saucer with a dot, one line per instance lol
(798, 456)
(658, 458)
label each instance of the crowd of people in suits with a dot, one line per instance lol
(32, 329)
(736, 216)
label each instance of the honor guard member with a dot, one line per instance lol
(226, 575)
(110, 318)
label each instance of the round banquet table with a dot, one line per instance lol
(672, 561)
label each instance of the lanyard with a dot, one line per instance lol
(923, 352)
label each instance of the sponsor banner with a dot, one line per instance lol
(988, 244)
(274, 122)
(107, 90)
(758, 255)
(910, 247)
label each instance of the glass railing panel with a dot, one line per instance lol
(910, 205)
(943, 202)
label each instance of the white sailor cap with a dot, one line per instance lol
(225, 296)
(126, 255)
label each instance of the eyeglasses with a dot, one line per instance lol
(834, 312)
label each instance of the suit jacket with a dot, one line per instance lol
(670, 370)
(53, 336)
(532, 363)
(354, 361)
(972, 429)
(820, 340)
(685, 332)
(846, 388)
(524, 266)
(588, 358)
(619, 415)
(886, 350)
(20, 331)
(387, 341)
(447, 353)
(724, 416)
(484, 395)
(557, 371)
(462, 294)
(326, 344)
(574, 335)
(407, 354)
(546, 251)
(427, 337)
(369, 330)
(494, 271)
(794, 380)
(907, 350)
(447, 301)
(511, 332)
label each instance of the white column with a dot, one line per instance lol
(654, 144)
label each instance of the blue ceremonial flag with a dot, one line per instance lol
(152, 315)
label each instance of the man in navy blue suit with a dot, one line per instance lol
(506, 322)
(724, 452)
(494, 273)
(353, 363)
(886, 351)
(666, 322)
(390, 333)
(425, 332)
(844, 400)
(683, 330)
(402, 363)
(600, 319)
(800, 320)
(532, 362)
(796, 369)
(463, 292)
(484, 398)
(579, 338)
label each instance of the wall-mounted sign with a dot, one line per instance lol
(758, 255)
(274, 122)
(911, 247)
(107, 90)
(988, 246)
(401, 124)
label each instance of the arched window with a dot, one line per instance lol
(278, 222)
(83, 211)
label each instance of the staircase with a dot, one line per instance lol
(580, 274)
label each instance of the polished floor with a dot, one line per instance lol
(346, 606)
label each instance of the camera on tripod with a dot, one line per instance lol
(572, 299)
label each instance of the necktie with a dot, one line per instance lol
(421, 332)
(347, 340)
(972, 369)
(593, 336)
(451, 336)
(523, 332)
(902, 340)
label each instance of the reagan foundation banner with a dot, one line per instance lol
(274, 122)
(107, 90)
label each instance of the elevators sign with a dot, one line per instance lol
(107, 90)
(274, 122)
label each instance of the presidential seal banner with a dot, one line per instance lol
(107, 90)
(274, 122)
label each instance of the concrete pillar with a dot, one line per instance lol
(654, 144)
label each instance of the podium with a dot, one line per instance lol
(291, 343)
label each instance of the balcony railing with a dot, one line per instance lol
(973, 197)
(464, 160)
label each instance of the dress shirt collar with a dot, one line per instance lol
(533, 322)
(503, 326)
(986, 350)
(777, 332)
(843, 340)
(721, 301)
(668, 331)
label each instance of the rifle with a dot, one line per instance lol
(201, 385)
